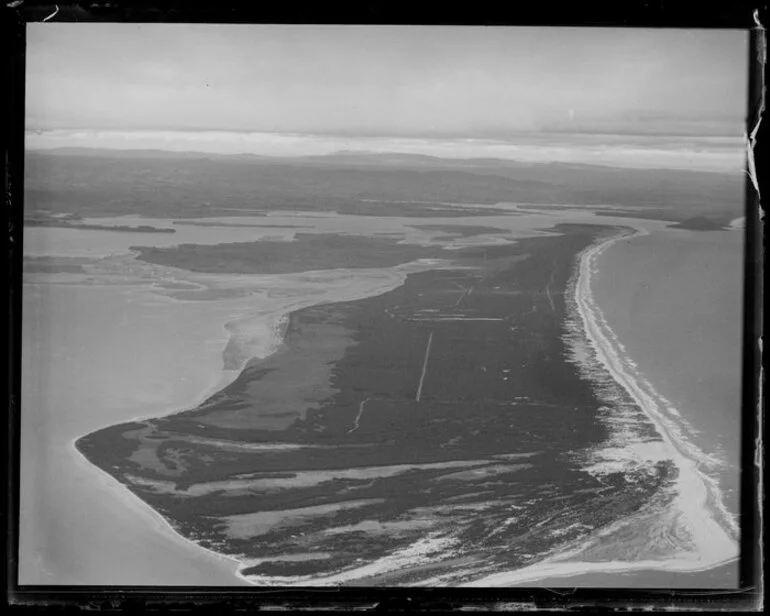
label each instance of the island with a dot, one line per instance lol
(697, 223)
(74, 222)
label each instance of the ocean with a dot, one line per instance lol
(92, 356)
(675, 300)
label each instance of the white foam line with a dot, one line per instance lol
(696, 493)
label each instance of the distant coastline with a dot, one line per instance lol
(712, 154)
(63, 223)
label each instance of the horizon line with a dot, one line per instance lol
(503, 136)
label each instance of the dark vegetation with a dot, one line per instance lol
(44, 219)
(218, 224)
(119, 228)
(698, 223)
(308, 251)
(52, 265)
(462, 230)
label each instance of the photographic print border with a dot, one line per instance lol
(628, 14)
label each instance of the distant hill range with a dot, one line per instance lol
(158, 183)
(363, 158)
(141, 153)
(698, 223)
(347, 158)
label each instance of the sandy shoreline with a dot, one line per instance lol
(712, 545)
(151, 516)
(145, 511)
(259, 342)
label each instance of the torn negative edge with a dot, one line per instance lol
(760, 51)
(751, 140)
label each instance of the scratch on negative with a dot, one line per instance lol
(52, 14)
(752, 137)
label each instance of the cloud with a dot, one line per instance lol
(705, 154)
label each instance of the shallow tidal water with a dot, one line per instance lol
(94, 356)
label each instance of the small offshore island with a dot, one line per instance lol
(71, 221)
(698, 223)
(308, 251)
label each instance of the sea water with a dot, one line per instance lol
(674, 298)
(93, 356)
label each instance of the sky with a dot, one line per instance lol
(676, 98)
(395, 81)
